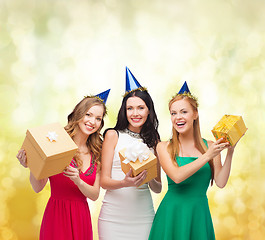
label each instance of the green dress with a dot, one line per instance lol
(184, 212)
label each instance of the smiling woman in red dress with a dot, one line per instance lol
(67, 214)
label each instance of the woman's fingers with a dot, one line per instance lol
(220, 145)
(22, 157)
(20, 154)
(72, 173)
(137, 180)
(140, 178)
(219, 140)
(129, 174)
(71, 169)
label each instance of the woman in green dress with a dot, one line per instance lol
(190, 164)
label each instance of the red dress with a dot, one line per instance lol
(67, 215)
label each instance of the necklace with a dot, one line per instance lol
(132, 134)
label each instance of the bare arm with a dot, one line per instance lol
(106, 182)
(222, 173)
(91, 192)
(179, 174)
(37, 185)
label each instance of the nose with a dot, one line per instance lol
(135, 112)
(92, 120)
(178, 115)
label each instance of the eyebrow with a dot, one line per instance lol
(141, 105)
(93, 114)
(179, 110)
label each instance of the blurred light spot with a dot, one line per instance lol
(26, 112)
(230, 222)
(7, 182)
(254, 225)
(209, 96)
(253, 44)
(15, 172)
(6, 233)
(7, 92)
(239, 206)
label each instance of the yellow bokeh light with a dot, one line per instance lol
(54, 54)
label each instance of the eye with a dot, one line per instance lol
(99, 119)
(129, 108)
(88, 114)
(173, 113)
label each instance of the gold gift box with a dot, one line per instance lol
(231, 128)
(47, 156)
(137, 167)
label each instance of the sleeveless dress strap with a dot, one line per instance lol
(205, 141)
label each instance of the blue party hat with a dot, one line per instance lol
(131, 82)
(184, 88)
(103, 96)
(184, 91)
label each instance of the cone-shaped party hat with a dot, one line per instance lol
(184, 91)
(131, 82)
(103, 96)
(184, 88)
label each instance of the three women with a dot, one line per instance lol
(189, 161)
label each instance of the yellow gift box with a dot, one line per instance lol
(137, 167)
(49, 150)
(231, 128)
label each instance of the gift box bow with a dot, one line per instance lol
(52, 136)
(136, 150)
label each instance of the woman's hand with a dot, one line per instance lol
(73, 174)
(129, 181)
(215, 148)
(22, 158)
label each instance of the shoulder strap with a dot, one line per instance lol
(205, 141)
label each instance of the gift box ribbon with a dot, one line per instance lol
(136, 150)
(52, 136)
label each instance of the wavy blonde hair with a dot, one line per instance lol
(94, 141)
(173, 146)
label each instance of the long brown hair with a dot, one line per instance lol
(149, 132)
(94, 141)
(173, 146)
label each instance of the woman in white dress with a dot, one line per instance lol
(127, 211)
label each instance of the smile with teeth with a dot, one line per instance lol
(136, 119)
(89, 127)
(181, 124)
